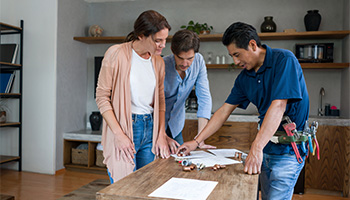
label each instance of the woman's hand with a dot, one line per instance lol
(173, 145)
(162, 148)
(187, 147)
(125, 148)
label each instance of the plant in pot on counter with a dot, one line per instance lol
(198, 28)
(3, 110)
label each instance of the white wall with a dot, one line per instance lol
(39, 86)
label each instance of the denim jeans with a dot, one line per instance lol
(142, 126)
(178, 138)
(279, 173)
(143, 135)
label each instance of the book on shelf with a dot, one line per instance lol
(6, 82)
(8, 53)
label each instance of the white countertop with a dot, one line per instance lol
(327, 120)
(85, 135)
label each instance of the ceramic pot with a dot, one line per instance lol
(268, 25)
(312, 20)
(95, 121)
(2, 116)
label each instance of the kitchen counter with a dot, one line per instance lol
(85, 135)
(326, 120)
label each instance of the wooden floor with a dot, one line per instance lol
(26, 185)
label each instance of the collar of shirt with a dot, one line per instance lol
(267, 62)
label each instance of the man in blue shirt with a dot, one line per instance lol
(272, 79)
(183, 70)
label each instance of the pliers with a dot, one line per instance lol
(316, 148)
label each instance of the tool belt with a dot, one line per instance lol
(282, 138)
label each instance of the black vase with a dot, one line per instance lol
(268, 25)
(95, 121)
(312, 20)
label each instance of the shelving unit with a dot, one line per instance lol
(74, 139)
(263, 36)
(218, 37)
(7, 29)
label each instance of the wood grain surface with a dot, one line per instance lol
(331, 172)
(233, 183)
(238, 135)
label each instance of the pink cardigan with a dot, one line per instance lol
(113, 93)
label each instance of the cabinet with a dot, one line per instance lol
(74, 139)
(263, 36)
(331, 172)
(5, 67)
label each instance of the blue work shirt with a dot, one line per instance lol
(177, 90)
(280, 77)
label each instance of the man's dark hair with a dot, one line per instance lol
(183, 41)
(148, 23)
(240, 34)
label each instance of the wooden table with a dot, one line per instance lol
(233, 183)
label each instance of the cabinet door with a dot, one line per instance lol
(238, 135)
(331, 172)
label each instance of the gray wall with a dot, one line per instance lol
(71, 71)
(220, 14)
(345, 78)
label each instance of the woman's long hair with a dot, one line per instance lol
(148, 23)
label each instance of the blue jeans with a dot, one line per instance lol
(279, 173)
(178, 138)
(143, 135)
(142, 126)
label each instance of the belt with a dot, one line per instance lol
(283, 138)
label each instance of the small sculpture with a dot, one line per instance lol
(95, 31)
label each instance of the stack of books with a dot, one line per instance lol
(6, 82)
(8, 54)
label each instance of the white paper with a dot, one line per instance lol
(211, 161)
(195, 154)
(225, 152)
(183, 188)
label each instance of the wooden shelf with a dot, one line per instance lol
(218, 37)
(10, 95)
(303, 65)
(5, 159)
(10, 124)
(5, 27)
(324, 65)
(9, 64)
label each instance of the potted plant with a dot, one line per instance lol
(198, 28)
(3, 110)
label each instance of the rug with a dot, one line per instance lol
(87, 191)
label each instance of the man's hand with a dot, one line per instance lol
(125, 148)
(187, 147)
(254, 161)
(202, 145)
(162, 148)
(173, 145)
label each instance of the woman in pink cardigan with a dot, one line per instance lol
(130, 96)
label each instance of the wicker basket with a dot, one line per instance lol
(99, 158)
(80, 156)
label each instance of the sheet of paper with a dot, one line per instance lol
(225, 152)
(195, 154)
(183, 188)
(212, 160)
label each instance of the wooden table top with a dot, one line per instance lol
(233, 183)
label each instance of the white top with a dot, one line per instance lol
(142, 84)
